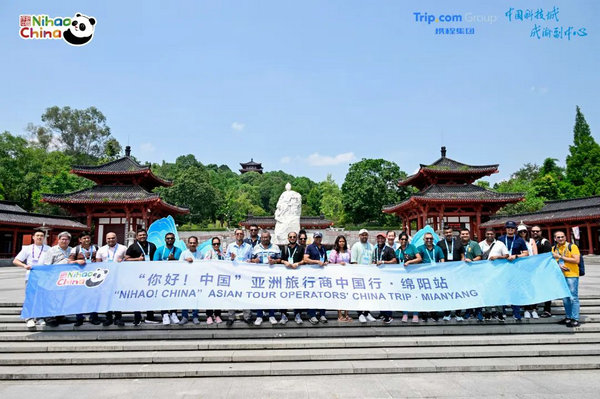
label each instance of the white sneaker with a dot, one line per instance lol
(209, 320)
(183, 321)
(447, 318)
(535, 315)
(30, 323)
(272, 320)
(41, 322)
(298, 319)
(527, 315)
(370, 317)
(284, 319)
(459, 318)
(362, 318)
(166, 319)
(174, 318)
(258, 321)
(195, 320)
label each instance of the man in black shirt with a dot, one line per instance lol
(254, 238)
(543, 246)
(292, 256)
(141, 250)
(453, 252)
(384, 254)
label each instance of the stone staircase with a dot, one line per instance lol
(157, 351)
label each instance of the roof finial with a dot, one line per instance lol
(443, 151)
(128, 151)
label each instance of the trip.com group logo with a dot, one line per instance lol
(76, 31)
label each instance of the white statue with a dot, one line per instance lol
(287, 214)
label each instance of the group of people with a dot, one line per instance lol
(258, 248)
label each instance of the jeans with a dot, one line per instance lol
(313, 312)
(571, 303)
(185, 313)
(516, 311)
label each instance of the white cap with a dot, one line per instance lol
(522, 227)
(363, 231)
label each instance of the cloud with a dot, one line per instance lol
(237, 126)
(147, 148)
(323, 160)
(286, 159)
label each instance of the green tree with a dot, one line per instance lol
(369, 185)
(583, 161)
(331, 200)
(82, 133)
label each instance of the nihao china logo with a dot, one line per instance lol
(88, 278)
(76, 31)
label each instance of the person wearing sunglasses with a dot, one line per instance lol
(568, 256)
(266, 253)
(214, 253)
(430, 253)
(543, 246)
(254, 239)
(407, 255)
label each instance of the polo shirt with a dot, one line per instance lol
(472, 250)
(189, 254)
(427, 254)
(498, 248)
(111, 254)
(514, 244)
(134, 250)
(564, 251)
(384, 254)
(32, 255)
(262, 253)
(408, 253)
(253, 243)
(316, 253)
(162, 253)
(292, 255)
(362, 253)
(56, 256)
(456, 247)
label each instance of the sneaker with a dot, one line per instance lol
(435, 318)
(137, 322)
(30, 323)
(323, 319)
(573, 323)
(195, 320)
(95, 321)
(41, 322)
(387, 320)
(405, 318)
(78, 323)
(517, 318)
(183, 321)
(119, 323)
(107, 322)
(283, 320)
(272, 320)
(166, 320)
(52, 322)
(459, 318)
(480, 317)
(564, 321)
(229, 322)
(313, 320)
(546, 314)
(209, 320)
(370, 317)
(258, 321)
(535, 315)
(415, 319)
(501, 317)
(527, 315)
(467, 316)
(298, 319)
(150, 321)
(447, 318)
(218, 320)
(174, 318)
(362, 318)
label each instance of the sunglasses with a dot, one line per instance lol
(216, 243)
(536, 231)
(291, 236)
(302, 238)
(429, 239)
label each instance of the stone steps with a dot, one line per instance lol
(333, 367)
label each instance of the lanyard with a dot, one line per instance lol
(431, 255)
(321, 254)
(450, 250)
(65, 252)
(84, 251)
(33, 252)
(378, 254)
(144, 252)
(511, 244)
(113, 254)
(293, 253)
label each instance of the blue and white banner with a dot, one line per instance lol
(128, 286)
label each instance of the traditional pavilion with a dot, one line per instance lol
(306, 222)
(17, 226)
(121, 201)
(579, 218)
(251, 167)
(447, 197)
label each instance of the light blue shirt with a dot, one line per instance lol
(243, 252)
(189, 254)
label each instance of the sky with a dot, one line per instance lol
(309, 87)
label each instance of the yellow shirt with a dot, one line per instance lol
(564, 251)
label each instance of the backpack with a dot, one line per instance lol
(581, 263)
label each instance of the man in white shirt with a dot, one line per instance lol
(112, 252)
(362, 254)
(58, 255)
(190, 255)
(29, 256)
(493, 249)
(239, 251)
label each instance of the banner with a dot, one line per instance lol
(128, 286)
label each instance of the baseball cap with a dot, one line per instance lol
(381, 235)
(522, 227)
(510, 223)
(318, 234)
(363, 231)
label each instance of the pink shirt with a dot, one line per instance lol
(335, 257)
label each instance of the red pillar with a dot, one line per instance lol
(590, 240)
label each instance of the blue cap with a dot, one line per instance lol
(511, 224)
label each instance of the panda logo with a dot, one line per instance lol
(80, 31)
(97, 278)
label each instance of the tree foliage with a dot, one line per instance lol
(583, 161)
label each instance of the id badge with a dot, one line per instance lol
(146, 257)
(450, 256)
